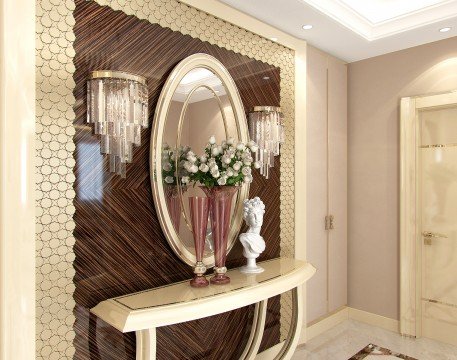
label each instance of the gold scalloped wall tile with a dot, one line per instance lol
(54, 146)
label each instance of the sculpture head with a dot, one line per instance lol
(253, 212)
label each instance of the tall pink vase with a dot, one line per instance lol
(199, 209)
(173, 205)
(220, 206)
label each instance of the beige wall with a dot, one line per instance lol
(375, 87)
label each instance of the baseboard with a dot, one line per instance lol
(270, 353)
(324, 324)
(328, 322)
(374, 319)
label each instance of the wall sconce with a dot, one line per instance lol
(266, 128)
(117, 104)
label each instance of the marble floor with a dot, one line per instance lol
(349, 337)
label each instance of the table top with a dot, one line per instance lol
(179, 302)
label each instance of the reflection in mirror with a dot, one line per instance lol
(200, 108)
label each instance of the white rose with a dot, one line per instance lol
(251, 143)
(185, 179)
(214, 168)
(215, 151)
(229, 172)
(204, 168)
(226, 159)
(169, 179)
(192, 159)
(193, 169)
(166, 167)
(222, 180)
(203, 158)
(212, 140)
(240, 146)
(235, 173)
(187, 165)
(246, 170)
(247, 179)
(237, 166)
(247, 162)
(254, 148)
(257, 165)
(215, 174)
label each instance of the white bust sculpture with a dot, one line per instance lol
(253, 243)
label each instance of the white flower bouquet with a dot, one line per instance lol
(229, 164)
(172, 164)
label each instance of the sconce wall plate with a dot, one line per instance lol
(266, 128)
(117, 105)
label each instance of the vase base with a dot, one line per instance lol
(199, 281)
(251, 270)
(220, 279)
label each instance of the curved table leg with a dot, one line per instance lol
(255, 338)
(291, 342)
(146, 344)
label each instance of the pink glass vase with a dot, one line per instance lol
(220, 206)
(173, 205)
(199, 209)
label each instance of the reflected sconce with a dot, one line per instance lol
(117, 105)
(266, 128)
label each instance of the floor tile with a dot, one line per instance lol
(349, 337)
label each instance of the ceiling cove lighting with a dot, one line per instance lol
(307, 27)
(445, 29)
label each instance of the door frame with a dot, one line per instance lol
(410, 222)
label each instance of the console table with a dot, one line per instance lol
(144, 311)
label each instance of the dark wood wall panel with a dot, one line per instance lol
(120, 247)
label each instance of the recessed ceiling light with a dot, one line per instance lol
(266, 78)
(274, 38)
(307, 27)
(445, 29)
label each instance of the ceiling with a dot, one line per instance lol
(353, 30)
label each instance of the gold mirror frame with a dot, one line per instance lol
(185, 66)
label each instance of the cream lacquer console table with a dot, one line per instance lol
(147, 310)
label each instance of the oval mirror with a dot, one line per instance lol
(199, 99)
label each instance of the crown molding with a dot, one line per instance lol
(353, 20)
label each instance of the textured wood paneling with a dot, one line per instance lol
(120, 247)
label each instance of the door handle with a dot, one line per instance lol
(329, 222)
(433, 235)
(428, 235)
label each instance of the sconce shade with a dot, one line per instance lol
(117, 105)
(266, 128)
